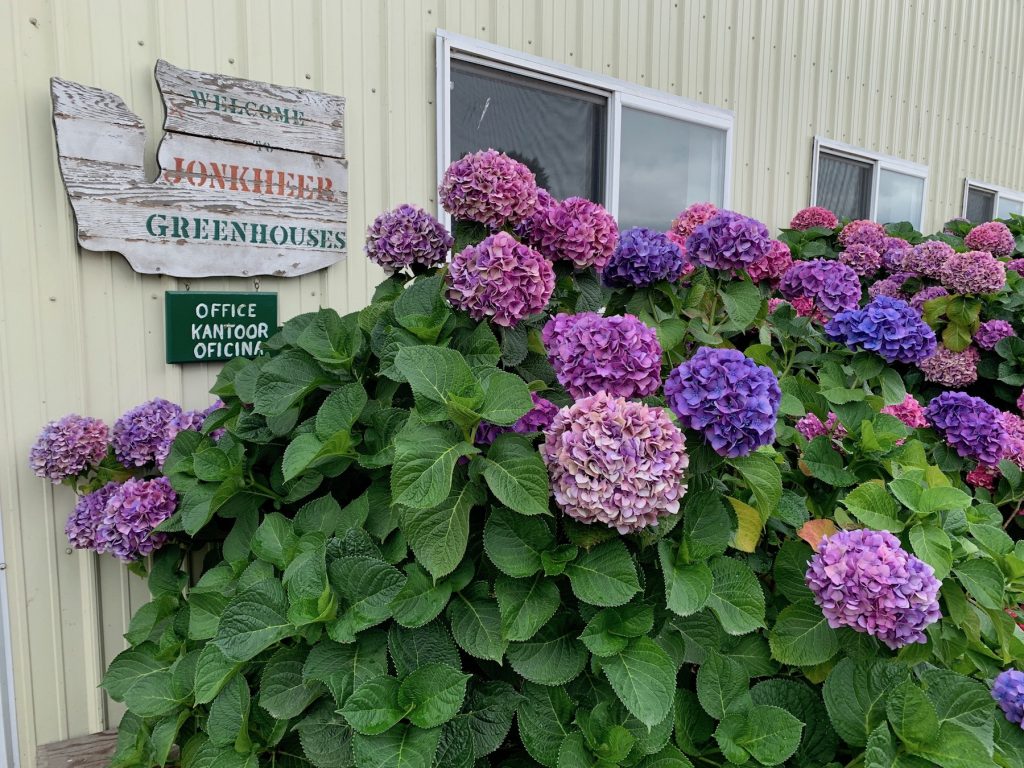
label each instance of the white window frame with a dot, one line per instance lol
(879, 163)
(620, 93)
(1000, 192)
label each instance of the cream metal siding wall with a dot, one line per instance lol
(932, 82)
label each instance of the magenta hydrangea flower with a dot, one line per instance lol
(909, 412)
(1016, 265)
(592, 354)
(527, 228)
(811, 426)
(951, 369)
(972, 427)
(729, 241)
(143, 435)
(991, 332)
(927, 258)
(973, 272)
(641, 258)
(728, 397)
(862, 259)
(805, 307)
(894, 250)
(1014, 426)
(992, 236)
(490, 188)
(404, 236)
(1020, 401)
(84, 520)
(814, 216)
(831, 285)
(615, 462)
(983, 476)
(775, 303)
(890, 286)
(687, 221)
(918, 300)
(537, 419)
(890, 327)
(69, 446)
(1008, 691)
(866, 581)
(133, 510)
(863, 232)
(500, 279)
(773, 265)
(578, 231)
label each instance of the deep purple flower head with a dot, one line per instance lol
(773, 265)
(134, 509)
(909, 412)
(992, 236)
(67, 447)
(811, 426)
(537, 419)
(615, 462)
(727, 396)
(991, 332)
(890, 286)
(894, 250)
(642, 257)
(927, 258)
(814, 216)
(144, 434)
(831, 285)
(890, 327)
(490, 188)
(918, 300)
(729, 241)
(1016, 265)
(501, 279)
(973, 272)
(949, 368)
(406, 235)
(526, 229)
(865, 580)
(578, 231)
(972, 427)
(863, 259)
(592, 354)
(84, 520)
(863, 232)
(1008, 691)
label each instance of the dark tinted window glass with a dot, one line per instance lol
(980, 204)
(844, 186)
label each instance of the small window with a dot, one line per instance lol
(844, 186)
(981, 204)
(984, 202)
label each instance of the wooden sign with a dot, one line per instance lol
(206, 326)
(252, 177)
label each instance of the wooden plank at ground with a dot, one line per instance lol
(93, 751)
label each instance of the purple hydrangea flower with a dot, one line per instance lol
(490, 188)
(1008, 691)
(615, 462)
(67, 447)
(890, 286)
(973, 272)
(1014, 426)
(890, 327)
(909, 412)
(831, 285)
(951, 369)
(1016, 265)
(642, 257)
(814, 216)
(894, 250)
(992, 236)
(862, 259)
(501, 279)
(865, 580)
(134, 509)
(592, 354)
(537, 419)
(86, 517)
(218, 433)
(863, 232)
(811, 426)
(729, 241)
(991, 332)
(527, 228)
(578, 231)
(407, 235)
(927, 258)
(918, 300)
(727, 396)
(144, 434)
(972, 427)
(773, 265)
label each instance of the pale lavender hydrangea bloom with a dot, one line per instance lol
(729, 241)
(134, 509)
(991, 332)
(490, 188)
(590, 354)
(831, 285)
(814, 216)
(973, 272)
(773, 265)
(404, 236)
(909, 412)
(69, 446)
(951, 369)
(865, 580)
(972, 427)
(894, 250)
(862, 259)
(889, 327)
(578, 231)
(992, 236)
(83, 521)
(1008, 691)
(641, 258)
(537, 419)
(927, 258)
(615, 462)
(863, 232)
(143, 435)
(918, 300)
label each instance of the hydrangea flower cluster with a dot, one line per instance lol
(1016, 265)
(83, 521)
(991, 332)
(918, 300)
(863, 232)
(831, 285)
(590, 354)
(67, 447)
(863, 259)
(728, 397)
(927, 258)
(973, 272)
(806, 307)
(865, 580)
(500, 279)
(811, 426)
(909, 412)
(404, 236)
(729, 241)
(992, 236)
(1014, 426)
(143, 435)
(951, 369)
(578, 231)
(490, 188)
(537, 419)
(891, 286)
(687, 222)
(131, 513)
(641, 258)
(894, 250)
(526, 229)
(615, 462)
(1008, 691)
(814, 216)
(983, 476)
(970, 426)
(890, 327)
(773, 266)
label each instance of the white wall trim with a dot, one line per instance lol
(9, 755)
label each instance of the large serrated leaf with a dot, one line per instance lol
(284, 691)
(254, 620)
(736, 597)
(476, 622)
(644, 679)
(439, 535)
(605, 576)
(515, 473)
(801, 636)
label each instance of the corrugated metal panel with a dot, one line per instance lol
(928, 81)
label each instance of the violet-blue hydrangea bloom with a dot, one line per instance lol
(973, 272)
(831, 285)
(729, 241)
(404, 236)
(992, 236)
(728, 397)
(500, 279)
(615, 462)
(134, 509)
(918, 300)
(641, 258)
(67, 447)
(866, 581)
(590, 354)
(890, 327)
(863, 232)
(83, 521)
(537, 419)
(863, 259)
(814, 216)
(773, 265)
(143, 435)
(991, 332)
(972, 427)
(894, 249)
(490, 188)
(927, 258)
(949, 368)
(1008, 691)
(578, 231)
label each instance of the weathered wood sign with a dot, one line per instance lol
(252, 177)
(204, 326)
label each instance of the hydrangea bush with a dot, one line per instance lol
(583, 498)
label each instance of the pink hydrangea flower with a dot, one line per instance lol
(811, 426)
(973, 272)
(578, 231)
(951, 369)
(814, 216)
(992, 236)
(910, 412)
(67, 447)
(490, 188)
(863, 232)
(983, 476)
(927, 258)
(687, 221)
(773, 265)
(862, 259)
(133, 511)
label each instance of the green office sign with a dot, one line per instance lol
(208, 326)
